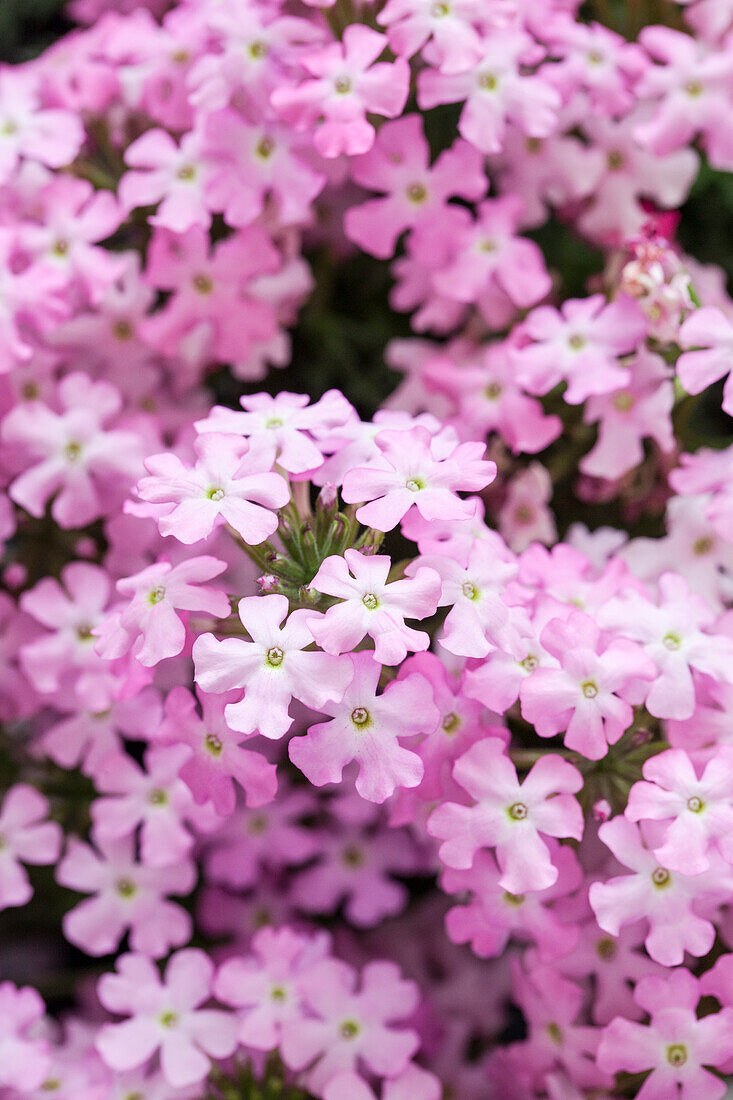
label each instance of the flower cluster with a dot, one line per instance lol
(373, 742)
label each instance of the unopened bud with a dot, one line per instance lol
(601, 810)
(267, 583)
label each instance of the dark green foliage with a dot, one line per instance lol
(27, 27)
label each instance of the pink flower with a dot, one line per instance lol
(175, 174)
(24, 1057)
(455, 44)
(165, 1017)
(51, 136)
(85, 736)
(584, 698)
(489, 258)
(675, 1045)
(579, 345)
(253, 163)
(399, 164)
(153, 798)
(273, 668)
(287, 420)
(128, 896)
(72, 456)
(24, 838)
(415, 1083)
(496, 90)
(509, 816)
(370, 605)
(697, 812)
(408, 472)
(525, 515)
(491, 916)
(691, 85)
(676, 906)
(673, 638)
(215, 762)
(367, 728)
(231, 483)
(479, 620)
(346, 85)
(148, 625)
(711, 333)
(265, 986)
(351, 1025)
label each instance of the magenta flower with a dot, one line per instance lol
(72, 456)
(581, 345)
(215, 762)
(370, 605)
(367, 727)
(399, 165)
(148, 625)
(408, 472)
(346, 85)
(697, 811)
(165, 1017)
(127, 896)
(351, 1026)
(25, 837)
(509, 816)
(274, 668)
(584, 698)
(676, 906)
(231, 483)
(707, 337)
(675, 1045)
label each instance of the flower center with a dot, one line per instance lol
(157, 797)
(615, 160)
(84, 632)
(439, 10)
(257, 825)
(122, 330)
(695, 804)
(694, 88)
(278, 994)
(518, 811)
(204, 284)
(125, 887)
(169, 1018)
(469, 590)
(349, 1029)
(265, 147)
(215, 494)
(60, 247)
(523, 514)
(258, 50)
(360, 716)
(590, 690)
(623, 402)
(342, 84)
(606, 948)
(671, 642)
(51, 1084)
(275, 656)
(661, 877)
(555, 1033)
(73, 451)
(414, 484)
(533, 144)
(186, 172)
(530, 663)
(513, 899)
(493, 391)
(370, 601)
(577, 341)
(677, 1054)
(157, 594)
(417, 192)
(450, 723)
(352, 856)
(213, 744)
(488, 82)
(702, 546)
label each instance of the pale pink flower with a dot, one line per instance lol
(509, 816)
(351, 1025)
(24, 1056)
(25, 837)
(675, 1045)
(274, 668)
(367, 727)
(176, 174)
(585, 697)
(231, 482)
(451, 29)
(148, 625)
(676, 906)
(373, 606)
(127, 896)
(345, 85)
(707, 339)
(165, 1017)
(27, 130)
(408, 472)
